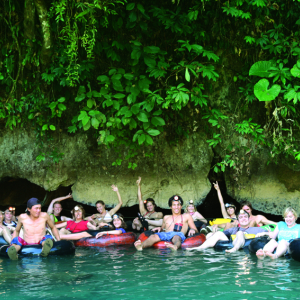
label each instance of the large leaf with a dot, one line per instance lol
(263, 94)
(260, 68)
(295, 71)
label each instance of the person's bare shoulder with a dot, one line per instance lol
(187, 217)
(44, 215)
(22, 217)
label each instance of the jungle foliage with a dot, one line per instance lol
(127, 72)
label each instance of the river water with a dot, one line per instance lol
(124, 273)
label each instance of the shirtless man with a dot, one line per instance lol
(173, 229)
(34, 226)
(147, 210)
(258, 220)
(55, 209)
(239, 241)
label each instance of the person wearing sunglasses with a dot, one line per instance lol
(77, 228)
(119, 226)
(147, 211)
(240, 231)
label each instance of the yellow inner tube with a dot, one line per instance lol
(219, 221)
(247, 236)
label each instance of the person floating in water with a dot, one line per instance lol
(55, 209)
(239, 241)
(147, 210)
(34, 228)
(173, 229)
(103, 217)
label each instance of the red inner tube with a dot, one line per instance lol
(127, 238)
(190, 242)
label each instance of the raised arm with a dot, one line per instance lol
(53, 228)
(143, 211)
(265, 221)
(50, 208)
(223, 209)
(118, 206)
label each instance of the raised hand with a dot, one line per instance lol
(216, 186)
(138, 182)
(114, 188)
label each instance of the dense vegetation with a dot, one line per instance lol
(127, 72)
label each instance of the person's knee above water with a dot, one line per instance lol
(103, 216)
(147, 210)
(55, 209)
(286, 231)
(173, 229)
(34, 230)
(243, 228)
(119, 226)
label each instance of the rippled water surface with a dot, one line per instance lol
(124, 273)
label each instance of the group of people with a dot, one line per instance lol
(36, 227)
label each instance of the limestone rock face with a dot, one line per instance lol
(270, 188)
(180, 169)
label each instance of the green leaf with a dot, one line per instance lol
(112, 72)
(261, 68)
(52, 127)
(136, 53)
(119, 96)
(157, 121)
(157, 113)
(149, 140)
(96, 94)
(151, 49)
(142, 117)
(263, 94)
(80, 97)
(45, 127)
(153, 132)
(135, 108)
(95, 123)
(103, 78)
(295, 71)
(61, 99)
(129, 76)
(130, 6)
(141, 139)
(90, 103)
(187, 75)
(61, 106)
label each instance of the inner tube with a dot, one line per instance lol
(194, 241)
(258, 243)
(270, 227)
(294, 249)
(219, 221)
(127, 238)
(226, 245)
(59, 248)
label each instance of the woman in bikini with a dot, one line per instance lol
(285, 232)
(103, 215)
(147, 210)
(191, 209)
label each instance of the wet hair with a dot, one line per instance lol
(175, 198)
(242, 212)
(100, 202)
(246, 203)
(191, 202)
(290, 209)
(81, 208)
(123, 224)
(149, 200)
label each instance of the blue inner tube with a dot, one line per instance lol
(225, 245)
(59, 248)
(258, 243)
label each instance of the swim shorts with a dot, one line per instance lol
(167, 236)
(20, 242)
